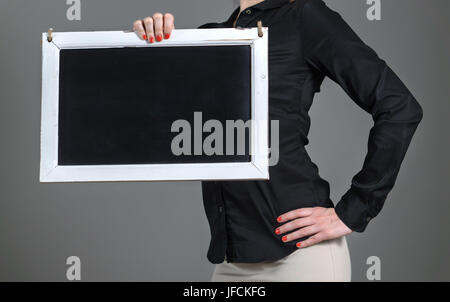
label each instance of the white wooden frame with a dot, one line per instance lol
(257, 168)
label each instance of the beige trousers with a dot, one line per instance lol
(327, 261)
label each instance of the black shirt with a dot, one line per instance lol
(308, 41)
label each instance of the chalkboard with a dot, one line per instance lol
(110, 102)
(116, 106)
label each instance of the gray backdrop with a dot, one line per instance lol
(158, 231)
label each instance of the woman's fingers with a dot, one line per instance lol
(138, 28)
(319, 237)
(317, 223)
(155, 28)
(293, 225)
(303, 232)
(168, 25)
(298, 213)
(149, 31)
(159, 26)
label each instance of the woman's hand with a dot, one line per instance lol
(154, 28)
(319, 223)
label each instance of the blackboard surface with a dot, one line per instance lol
(117, 105)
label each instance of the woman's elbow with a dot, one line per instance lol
(416, 110)
(399, 108)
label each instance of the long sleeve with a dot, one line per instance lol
(331, 47)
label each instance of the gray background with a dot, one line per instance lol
(158, 231)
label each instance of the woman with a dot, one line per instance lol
(287, 228)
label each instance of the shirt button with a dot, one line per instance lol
(248, 11)
(220, 209)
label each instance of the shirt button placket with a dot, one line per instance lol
(220, 197)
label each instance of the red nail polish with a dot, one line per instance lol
(159, 38)
(144, 37)
(166, 36)
(277, 231)
(279, 219)
(284, 238)
(299, 244)
(152, 39)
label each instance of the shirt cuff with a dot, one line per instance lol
(352, 209)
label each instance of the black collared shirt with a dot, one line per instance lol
(308, 41)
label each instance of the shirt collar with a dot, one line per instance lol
(265, 5)
(268, 4)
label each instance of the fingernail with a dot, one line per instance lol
(279, 219)
(144, 37)
(284, 238)
(299, 244)
(152, 39)
(277, 231)
(166, 36)
(159, 38)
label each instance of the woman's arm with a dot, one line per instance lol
(334, 49)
